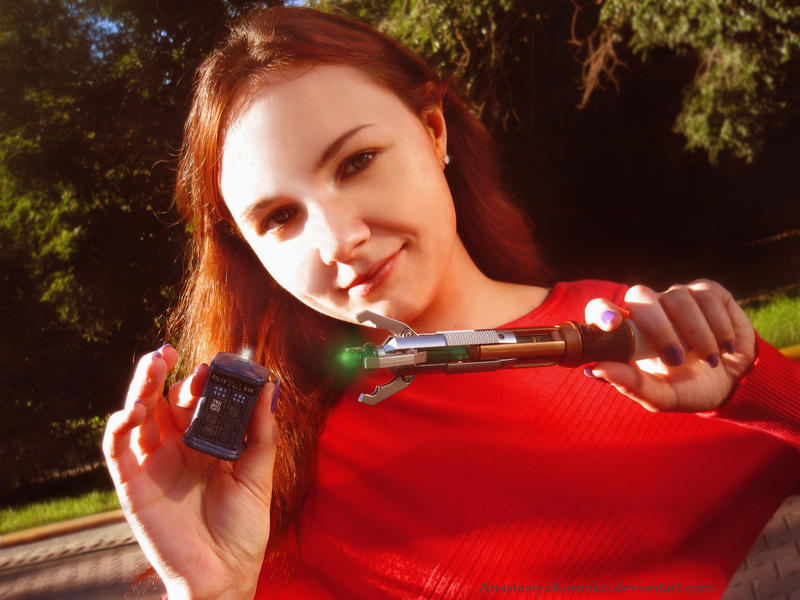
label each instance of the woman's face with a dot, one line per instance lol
(339, 189)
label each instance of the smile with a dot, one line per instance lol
(364, 286)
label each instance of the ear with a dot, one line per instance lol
(433, 119)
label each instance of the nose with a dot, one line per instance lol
(340, 232)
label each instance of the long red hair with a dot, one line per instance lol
(230, 301)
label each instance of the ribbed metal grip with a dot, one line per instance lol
(469, 337)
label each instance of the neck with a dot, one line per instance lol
(468, 299)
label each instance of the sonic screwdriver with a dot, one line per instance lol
(406, 353)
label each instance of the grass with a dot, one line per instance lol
(778, 320)
(55, 510)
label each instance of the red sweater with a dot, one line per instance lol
(464, 485)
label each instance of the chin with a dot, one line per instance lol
(404, 311)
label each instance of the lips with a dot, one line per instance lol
(365, 283)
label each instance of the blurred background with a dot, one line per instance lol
(651, 142)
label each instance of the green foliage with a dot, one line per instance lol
(93, 95)
(747, 53)
(482, 44)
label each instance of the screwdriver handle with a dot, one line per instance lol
(588, 344)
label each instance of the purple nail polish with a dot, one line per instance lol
(198, 367)
(157, 354)
(608, 317)
(673, 355)
(713, 360)
(590, 374)
(138, 401)
(729, 347)
(274, 404)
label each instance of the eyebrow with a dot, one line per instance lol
(337, 144)
(326, 156)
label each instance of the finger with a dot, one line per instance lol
(606, 315)
(255, 467)
(185, 392)
(690, 321)
(744, 334)
(721, 311)
(184, 395)
(192, 387)
(649, 316)
(740, 353)
(149, 433)
(147, 386)
(148, 379)
(122, 461)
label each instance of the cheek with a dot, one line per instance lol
(438, 215)
(293, 267)
(419, 194)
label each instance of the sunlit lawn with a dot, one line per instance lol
(55, 510)
(778, 321)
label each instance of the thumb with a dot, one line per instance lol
(257, 462)
(606, 315)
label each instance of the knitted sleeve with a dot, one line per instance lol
(767, 398)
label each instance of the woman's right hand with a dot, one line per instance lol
(202, 522)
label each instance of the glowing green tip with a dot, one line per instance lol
(353, 358)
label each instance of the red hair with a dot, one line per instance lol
(230, 301)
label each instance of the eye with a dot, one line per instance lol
(357, 162)
(277, 220)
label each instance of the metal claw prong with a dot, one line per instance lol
(396, 327)
(382, 392)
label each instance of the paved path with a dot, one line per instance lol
(102, 563)
(772, 569)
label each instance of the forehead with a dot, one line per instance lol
(287, 122)
(318, 99)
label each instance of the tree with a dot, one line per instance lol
(93, 95)
(483, 45)
(748, 64)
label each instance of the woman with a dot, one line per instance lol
(326, 170)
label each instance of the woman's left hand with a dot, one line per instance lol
(704, 340)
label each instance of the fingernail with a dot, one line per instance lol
(138, 401)
(590, 374)
(165, 346)
(713, 360)
(673, 355)
(729, 347)
(608, 317)
(157, 354)
(274, 404)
